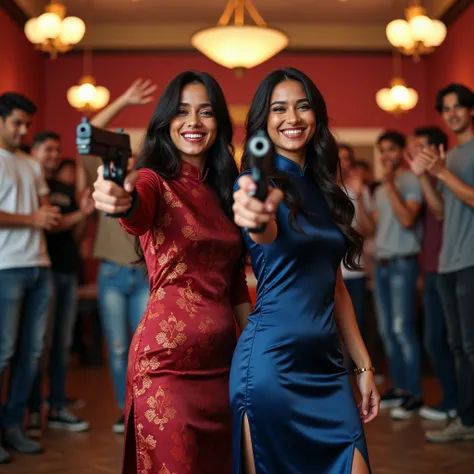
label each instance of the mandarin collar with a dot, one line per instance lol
(282, 163)
(190, 171)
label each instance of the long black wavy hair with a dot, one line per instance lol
(161, 155)
(322, 156)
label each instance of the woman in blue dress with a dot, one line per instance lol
(292, 403)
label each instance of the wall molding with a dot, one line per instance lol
(15, 12)
(455, 11)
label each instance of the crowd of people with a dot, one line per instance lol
(173, 252)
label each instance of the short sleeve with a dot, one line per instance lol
(367, 200)
(412, 189)
(42, 186)
(239, 292)
(149, 192)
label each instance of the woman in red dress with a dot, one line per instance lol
(177, 409)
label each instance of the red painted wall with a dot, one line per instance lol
(348, 82)
(452, 61)
(21, 66)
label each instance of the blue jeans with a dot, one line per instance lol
(436, 341)
(356, 289)
(123, 297)
(59, 340)
(395, 293)
(25, 298)
(457, 294)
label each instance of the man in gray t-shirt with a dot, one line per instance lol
(453, 202)
(397, 245)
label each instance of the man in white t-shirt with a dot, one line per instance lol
(25, 278)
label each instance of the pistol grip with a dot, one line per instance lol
(114, 173)
(260, 193)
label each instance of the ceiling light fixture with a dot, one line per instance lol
(53, 32)
(399, 98)
(418, 34)
(238, 46)
(86, 97)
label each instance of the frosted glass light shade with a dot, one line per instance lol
(239, 46)
(74, 98)
(420, 27)
(101, 97)
(384, 99)
(50, 25)
(33, 32)
(398, 33)
(437, 34)
(72, 30)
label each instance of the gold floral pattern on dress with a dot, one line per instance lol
(173, 262)
(165, 470)
(193, 230)
(187, 362)
(158, 233)
(144, 446)
(172, 334)
(189, 299)
(161, 410)
(156, 307)
(169, 197)
(184, 449)
(142, 380)
(138, 331)
(208, 331)
(208, 258)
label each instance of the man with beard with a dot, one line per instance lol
(398, 231)
(453, 202)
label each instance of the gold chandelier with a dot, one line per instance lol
(418, 34)
(87, 97)
(52, 32)
(238, 46)
(399, 98)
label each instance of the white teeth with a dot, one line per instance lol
(292, 132)
(193, 136)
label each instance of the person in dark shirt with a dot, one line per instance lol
(435, 329)
(66, 262)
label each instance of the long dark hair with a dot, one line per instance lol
(322, 154)
(161, 155)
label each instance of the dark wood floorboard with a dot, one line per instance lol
(395, 447)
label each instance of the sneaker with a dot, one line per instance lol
(410, 407)
(454, 431)
(75, 403)
(437, 413)
(16, 439)
(63, 419)
(391, 399)
(119, 427)
(4, 456)
(34, 425)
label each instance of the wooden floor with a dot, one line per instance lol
(395, 447)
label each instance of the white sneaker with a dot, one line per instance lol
(63, 419)
(437, 414)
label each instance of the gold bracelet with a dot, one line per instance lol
(361, 370)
